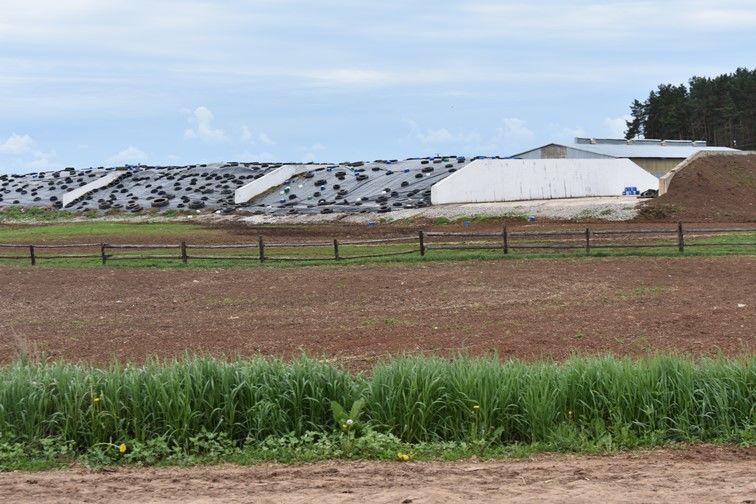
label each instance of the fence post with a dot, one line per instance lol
(32, 256)
(680, 238)
(421, 236)
(587, 241)
(336, 249)
(505, 238)
(261, 248)
(103, 256)
(184, 257)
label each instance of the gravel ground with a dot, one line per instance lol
(612, 208)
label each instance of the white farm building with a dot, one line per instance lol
(655, 156)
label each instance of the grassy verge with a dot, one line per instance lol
(96, 231)
(34, 214)
(83, 230)
(724, 245)
(204, 410)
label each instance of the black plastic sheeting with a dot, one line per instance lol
(355, 187)
(182, 188)
(379, 186)
(44, 189)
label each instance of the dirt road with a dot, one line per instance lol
(702, 475)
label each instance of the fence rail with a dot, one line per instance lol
(505, 241)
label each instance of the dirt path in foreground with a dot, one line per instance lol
(700, 474)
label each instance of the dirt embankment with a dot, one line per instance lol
(715, 188)
(701, 474)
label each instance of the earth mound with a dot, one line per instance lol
(715, 188)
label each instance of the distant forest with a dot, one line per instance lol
(720, 110)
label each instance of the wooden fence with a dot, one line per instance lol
(422, 243)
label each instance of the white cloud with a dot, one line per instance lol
(247, 135)
(265, 139)
(130, 154)
(23, 157)
(256, 156)
(512, 135)
(615, 126)
(41, 161)
(574, 132)
(567, 134)
(311, 152)
(203, 126)
(16, 145)
(350, 76)
(441, 135)
(719, 19)
(515, 128)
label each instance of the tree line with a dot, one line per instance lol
(720, 110)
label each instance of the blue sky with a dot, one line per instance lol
(92, 82)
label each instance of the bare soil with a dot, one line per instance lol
(702, 474)
(711, 188)
(529, 309)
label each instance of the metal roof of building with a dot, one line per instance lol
(642, 148)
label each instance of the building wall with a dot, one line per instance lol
(488, 180)
(657, 166)
(559, 152)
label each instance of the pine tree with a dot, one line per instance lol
(721, 110)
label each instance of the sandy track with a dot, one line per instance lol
(701, 474)
(530, 309)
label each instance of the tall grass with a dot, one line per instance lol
(177, 400)
(416, 399)
(423, 399)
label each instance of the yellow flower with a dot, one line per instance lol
(122, 447)
(403, 457)
(96, 400)
(476, 407)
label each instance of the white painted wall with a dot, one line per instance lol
(269, 181)
(77, 193)
(486, 180)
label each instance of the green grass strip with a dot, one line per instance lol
(271, 409)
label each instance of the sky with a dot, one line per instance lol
(97, 82)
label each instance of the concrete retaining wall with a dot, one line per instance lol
(269, 181)
(77, 193)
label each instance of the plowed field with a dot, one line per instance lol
(356, 314)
